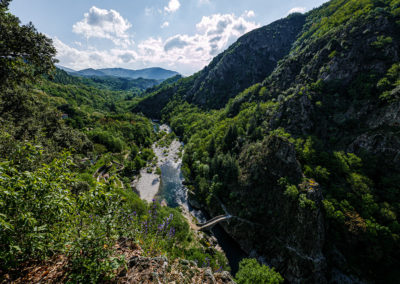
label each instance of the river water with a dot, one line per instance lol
(172, 190)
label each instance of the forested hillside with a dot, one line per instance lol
(307, 158)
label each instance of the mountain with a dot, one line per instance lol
(306, 156)
(248, 61)
(88, 73)
(137, 86)
(66, 69)
(154, 73)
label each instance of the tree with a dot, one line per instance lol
(211, 148)
(24, 52)
(251, 272)
(230, 138)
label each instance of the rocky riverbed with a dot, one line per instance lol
(148, 183)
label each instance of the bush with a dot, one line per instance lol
(108, 139)
(251, 272)
(381, 42)
(291, 191)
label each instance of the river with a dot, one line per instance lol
(169, 187)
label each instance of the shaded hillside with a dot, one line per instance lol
(246, 62)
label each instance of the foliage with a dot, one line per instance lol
(389, 85)
(24, 53)
(45, 216)
(251, 272)
(382, 41)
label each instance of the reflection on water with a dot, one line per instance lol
(172, 189)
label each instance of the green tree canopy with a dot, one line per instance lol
(24, 52)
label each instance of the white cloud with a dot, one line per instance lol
(186, 53)
(101, 23)
(165, 25)
(297, 10)
(249, 14)
(173, 6)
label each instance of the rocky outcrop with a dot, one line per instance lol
(136, 269)
(339, 56)
(160, 270)
(279, 228)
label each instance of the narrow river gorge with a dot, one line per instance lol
(170, 190)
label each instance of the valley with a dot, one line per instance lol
(279, 161)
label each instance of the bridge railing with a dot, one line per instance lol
(213, 221)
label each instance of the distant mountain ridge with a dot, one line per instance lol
(155, 73)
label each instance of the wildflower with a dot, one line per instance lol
(171, 233)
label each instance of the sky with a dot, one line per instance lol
(179, 35)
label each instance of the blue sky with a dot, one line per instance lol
(181, 35)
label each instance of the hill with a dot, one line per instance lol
(134, 86)
(155, 73)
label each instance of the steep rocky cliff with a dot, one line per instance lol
(288, 230)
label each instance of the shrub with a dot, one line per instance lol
(251, 272)
(381, 42)
(291, 191)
